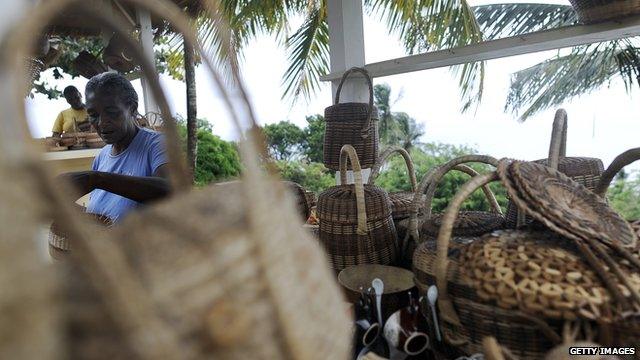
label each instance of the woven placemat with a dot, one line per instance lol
(570, 205)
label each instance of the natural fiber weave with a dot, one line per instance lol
(60, 240)
(472, 319)
(303, 207)
(356, 228)
(208, 273)
(593, 11)
(351, 123)
(401, 201)
(584, 170)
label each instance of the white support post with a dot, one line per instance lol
(346, 44)
(146, 42)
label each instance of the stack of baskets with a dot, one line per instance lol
(356, 226)
(520, 286)
(352, 124)
(94, 141)
(584, 170)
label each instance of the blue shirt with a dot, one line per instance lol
(141, 158)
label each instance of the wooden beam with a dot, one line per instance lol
(146, 42)
(517, 45)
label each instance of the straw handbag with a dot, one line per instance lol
(356, 226)
(207, 273)
(593, 11)
(400, 200)
(468, 227)
(584, 170)
(351, 123)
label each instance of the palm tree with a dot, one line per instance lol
(396, 128)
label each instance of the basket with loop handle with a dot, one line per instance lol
(356, 226)
(416, 221)
(206, 273)
(466, 318)
(351, 123)
(584, 170)
(401, 200)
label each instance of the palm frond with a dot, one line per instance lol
(561, 78)
(503, 20)
(308, 55)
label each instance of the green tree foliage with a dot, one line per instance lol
(284, 139)
(394, 176)
(312, 176)
(313, 141)
(217, 159)
(624, 196)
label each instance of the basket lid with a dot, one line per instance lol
(395, 279)
(577, 166)
(350, 111)
(468, 223)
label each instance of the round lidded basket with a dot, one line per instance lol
(584, 170)
(356, 226)
(397, 283)
(351, 123)
(594, 11)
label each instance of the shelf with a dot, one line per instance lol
(517, 45)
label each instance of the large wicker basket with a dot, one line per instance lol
(584, 170)
(593, 11)
(351, 123)
(356, 226)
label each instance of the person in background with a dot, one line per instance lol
(73, 119)
(131, 169)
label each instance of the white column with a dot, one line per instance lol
(346, 44)
(146, 41)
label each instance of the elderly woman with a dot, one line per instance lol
(132, 168)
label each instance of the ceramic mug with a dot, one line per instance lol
(404, 330)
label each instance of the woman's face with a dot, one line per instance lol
(110, 116)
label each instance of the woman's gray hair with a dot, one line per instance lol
(114, 83)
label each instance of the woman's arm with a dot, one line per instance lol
(138, 188)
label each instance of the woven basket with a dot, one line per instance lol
(351, 123)
(400, 201)
(428, 185)
(464, 318)
(469, 226)
(88, 65)
(207, 273)
(356, 226)
(116, 56)
(304, 210)
(59, 239)
(593, 11)
(584, 170)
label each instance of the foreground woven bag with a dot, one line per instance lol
(351, 123)
(207, 273)
(356, 226)
(584, 170)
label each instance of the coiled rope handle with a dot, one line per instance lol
(429, 184)
(348, 153)
(365, 130)
(105, 264)
(375, 171)
(614, 168)
(445, 304)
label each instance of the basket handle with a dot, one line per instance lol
(617, 164)
(558, 144)
(444, 236)
(383, 159)
(348, 153)
(433, 177)
(365, 129)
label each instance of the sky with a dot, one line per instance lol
(601, 124)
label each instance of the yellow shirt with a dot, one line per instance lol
(65, 120)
